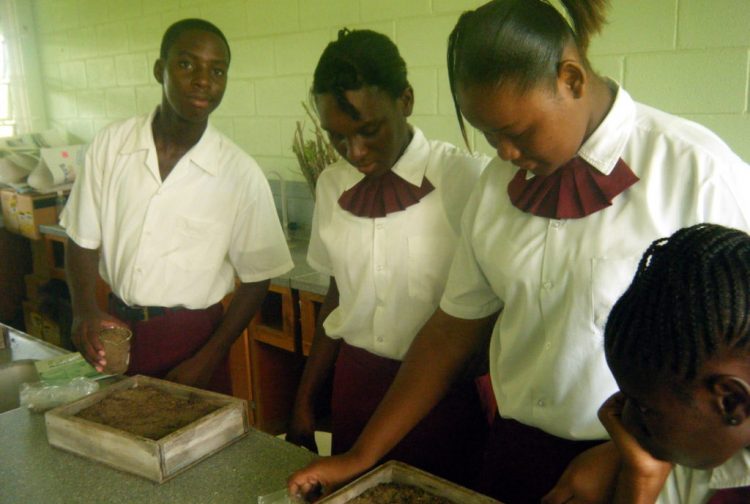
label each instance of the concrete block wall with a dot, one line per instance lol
(689, 57)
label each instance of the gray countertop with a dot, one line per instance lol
(301, 277)
(31, 471)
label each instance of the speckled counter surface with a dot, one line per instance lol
(33, 472)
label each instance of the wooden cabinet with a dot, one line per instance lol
(53, 250)
(15, 262)
(280, 339)
(309, 307)
(275, 360)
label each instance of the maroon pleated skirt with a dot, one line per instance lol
(522, 463)
(161, 343)
(448, 442)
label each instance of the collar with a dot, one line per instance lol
(604, 147)
(733, 473)
(203, 154)
(412, 165)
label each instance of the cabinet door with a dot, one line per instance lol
(309, 307)
(275, 360)
(239, 372)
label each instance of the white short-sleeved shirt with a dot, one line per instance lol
(390, 271)
(179, 242)
(696, 486)
(556, 280)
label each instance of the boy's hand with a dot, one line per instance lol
(85, 336)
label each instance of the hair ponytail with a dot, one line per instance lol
(588, 17)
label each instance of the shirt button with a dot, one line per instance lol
(379, 226)
(380, 339)
(547, 285)
(540, 403)
(379, 267)
(547, 346)
(556, 225)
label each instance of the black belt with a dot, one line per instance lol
(136, 313)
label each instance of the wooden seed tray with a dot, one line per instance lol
(398, 472)
(157, 460)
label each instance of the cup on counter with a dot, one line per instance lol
(116, 343)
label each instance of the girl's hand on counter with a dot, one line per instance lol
(304, 440)
(302, 429)
(324, 475)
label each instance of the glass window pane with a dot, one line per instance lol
(4, 102)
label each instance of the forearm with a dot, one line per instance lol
(633, 490)
(81, 272)
(436, 357)
(246, 301)
(323, 354)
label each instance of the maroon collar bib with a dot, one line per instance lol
(378, 196)
(574, 190)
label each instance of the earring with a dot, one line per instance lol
(731, 420)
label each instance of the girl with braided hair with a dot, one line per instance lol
(584, 180)
(678, 344)
(384, 230)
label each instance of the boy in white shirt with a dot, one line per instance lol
(170, 212)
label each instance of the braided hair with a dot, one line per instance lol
(179, 27)
(357, 59)
(517, 40)
(689, 302)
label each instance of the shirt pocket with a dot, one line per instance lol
(199, 245)
(428, 264)
(610, 278)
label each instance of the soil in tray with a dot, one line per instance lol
(397, 493)
(147, 411)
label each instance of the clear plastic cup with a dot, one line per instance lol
(116, 343)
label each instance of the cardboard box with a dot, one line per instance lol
(23, 213)
(157, 460)
(34, 282)
(41, 326)
(404, 474)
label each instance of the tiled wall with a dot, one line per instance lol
(689, 57)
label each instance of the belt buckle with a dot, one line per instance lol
(144, 309)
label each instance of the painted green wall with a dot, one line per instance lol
(689, 57)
